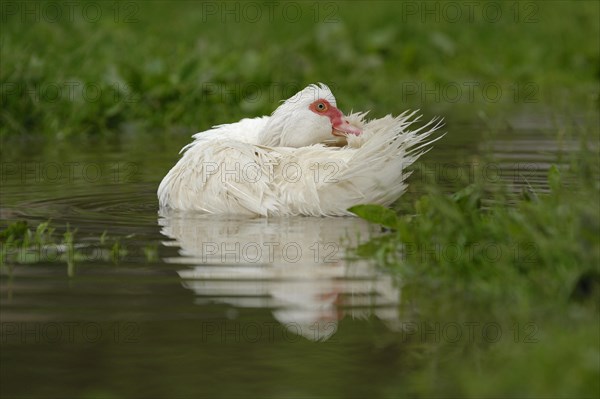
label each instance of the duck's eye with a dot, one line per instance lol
(321, 107)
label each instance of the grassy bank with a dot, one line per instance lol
(100, 67)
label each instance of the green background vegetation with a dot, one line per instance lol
(154, 65)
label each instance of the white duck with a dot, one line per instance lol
(285, 164)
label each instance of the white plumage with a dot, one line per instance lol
(281, 164)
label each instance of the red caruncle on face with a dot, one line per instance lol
(339, 126)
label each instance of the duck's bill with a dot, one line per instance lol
(337, 141)
(344, 128)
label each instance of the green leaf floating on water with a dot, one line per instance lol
(376, 214)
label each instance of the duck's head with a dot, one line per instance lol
(309, 117)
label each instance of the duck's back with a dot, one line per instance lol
(247, 131)
(222, 171)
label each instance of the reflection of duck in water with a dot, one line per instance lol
(294, 266)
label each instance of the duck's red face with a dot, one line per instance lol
(339, 126)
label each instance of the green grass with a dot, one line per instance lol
(148, 66)
(532, 268)
(454, 237)
(22, 245)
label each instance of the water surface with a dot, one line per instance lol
(211, 305)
